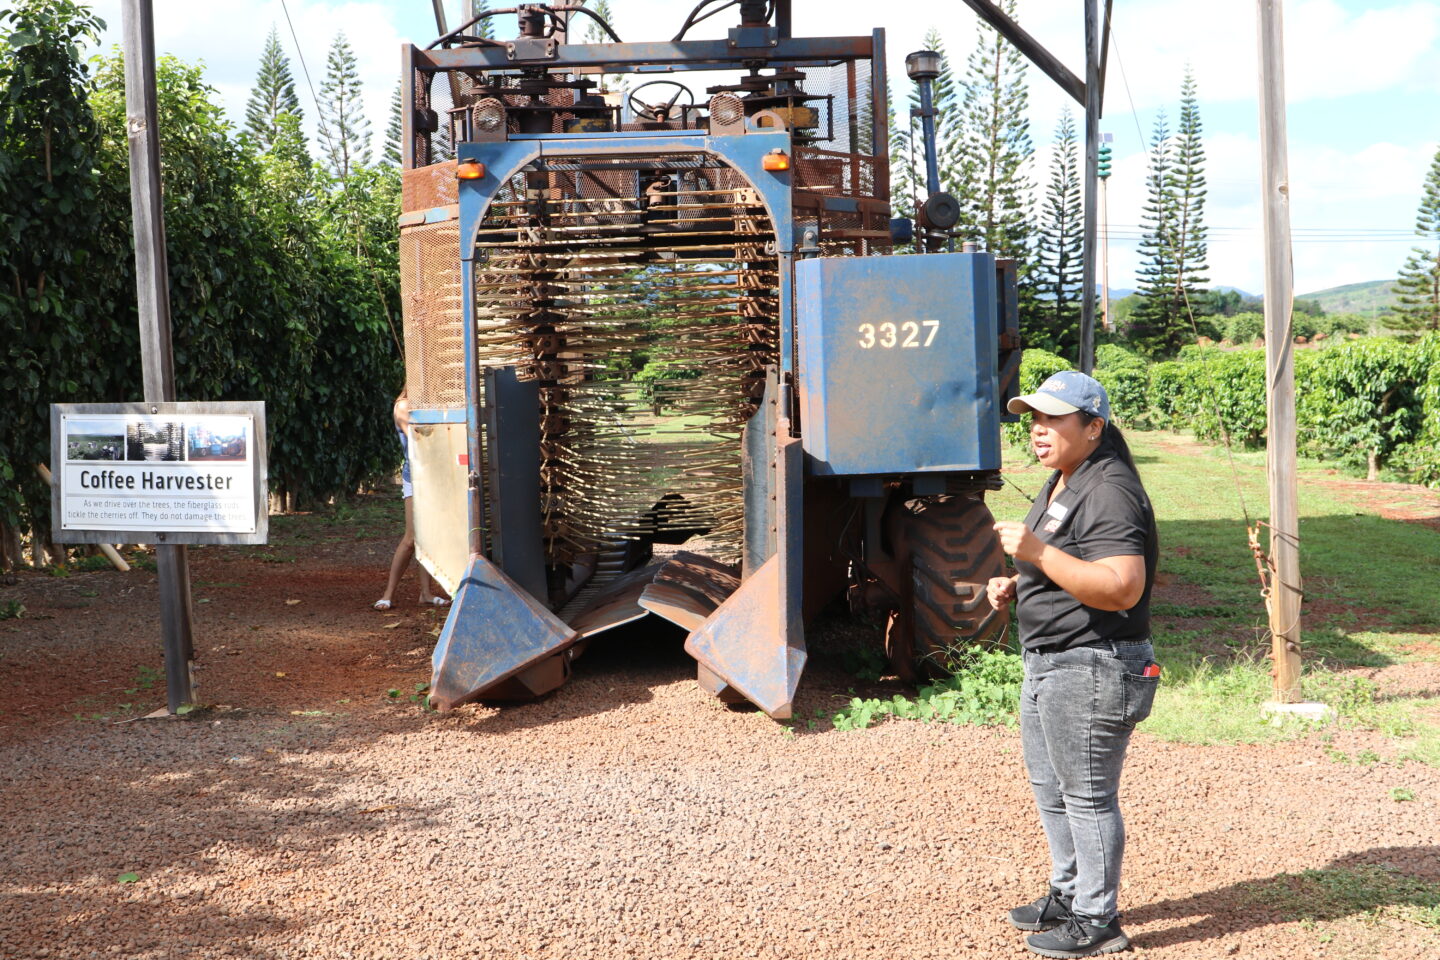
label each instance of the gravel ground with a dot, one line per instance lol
(310, 815)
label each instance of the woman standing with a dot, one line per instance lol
(1086, 560)
(405, 550)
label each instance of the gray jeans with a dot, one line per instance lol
(1077, 710)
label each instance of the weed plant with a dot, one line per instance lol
(984, 691)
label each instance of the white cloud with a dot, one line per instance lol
(230, 39)
(1334, 49)
(1350, 211)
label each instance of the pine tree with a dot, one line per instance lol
(993, 184)
(615, 82)
(1173, 252)
(395, 132)
(1187, 184)
(994, 189)
(1419, 284)
(907, 180)
(1059, 250)
(485, 29)
(274, 94)
(1148, 324)
(593, 33)
(344, 129)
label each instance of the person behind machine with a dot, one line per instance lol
(1085, 557)
(405, 550)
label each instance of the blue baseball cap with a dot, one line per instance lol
(1065, 392)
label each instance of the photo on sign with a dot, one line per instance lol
(155, 441)
(94, 440)
(217, 441)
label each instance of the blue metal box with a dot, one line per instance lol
(897, 363)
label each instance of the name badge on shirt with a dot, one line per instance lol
(1057, 510)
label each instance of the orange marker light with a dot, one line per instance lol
(470, 171)
(775, 161)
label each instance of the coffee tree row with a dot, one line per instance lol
(1373, 402)
(283, 281)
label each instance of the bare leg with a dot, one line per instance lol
(404, 551)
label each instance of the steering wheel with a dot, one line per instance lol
(658, 114)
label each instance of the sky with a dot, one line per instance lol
(1362, 84)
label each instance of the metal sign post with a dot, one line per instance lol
(153, 294)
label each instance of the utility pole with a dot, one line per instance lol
(1285, 586)
(1092, 164)
(153, 295)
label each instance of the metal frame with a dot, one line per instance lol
(260, 477)
(776, 49)
(656, 56)
(1090, 95)
(504, 159)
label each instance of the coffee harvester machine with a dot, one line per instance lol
(645, 311)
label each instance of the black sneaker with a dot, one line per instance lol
(1049, 911)
(1076, 938)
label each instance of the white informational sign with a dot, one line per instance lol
(181, 475)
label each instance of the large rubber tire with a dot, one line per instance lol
(948, 550)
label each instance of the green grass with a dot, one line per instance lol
(1369, 586)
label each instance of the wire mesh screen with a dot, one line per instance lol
(647, 309)
(434, 331)
(426, 188)
(847, 115)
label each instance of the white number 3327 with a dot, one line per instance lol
(906, 335)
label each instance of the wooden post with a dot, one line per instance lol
(1092, 164)
(153, 294)
(1285, 587)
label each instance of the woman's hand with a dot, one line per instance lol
(1019, 541)
(1001, 591)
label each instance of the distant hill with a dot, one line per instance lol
(1376, 296)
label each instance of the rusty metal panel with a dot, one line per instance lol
(688, 588)
(617, 604)
(898, 363)
(755, 640)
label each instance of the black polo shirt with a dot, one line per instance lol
(1102, 512)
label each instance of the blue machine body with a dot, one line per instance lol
(897, 364)
(884, 368)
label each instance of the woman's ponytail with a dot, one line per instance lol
(1116, 440)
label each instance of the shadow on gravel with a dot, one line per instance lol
(197, 813)
(1354, 885)
(617, 668)
(626, 665)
